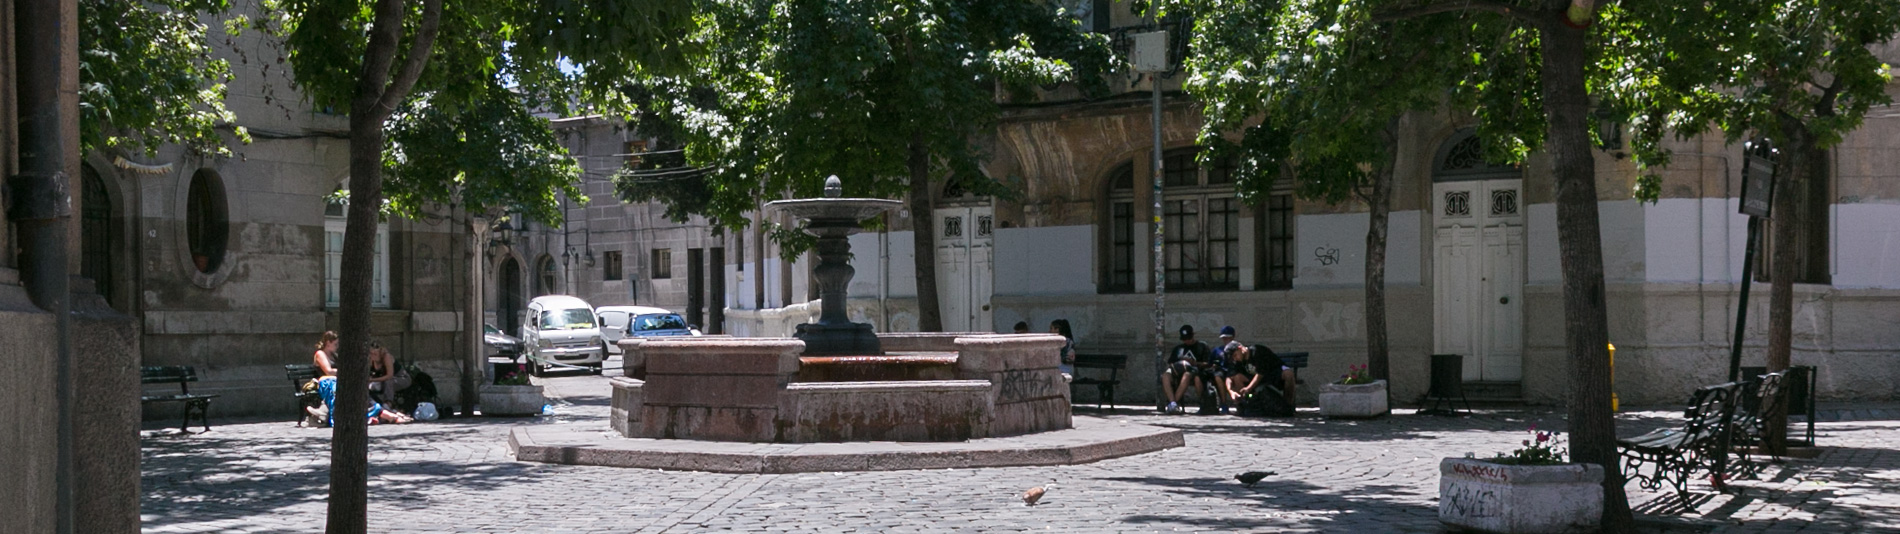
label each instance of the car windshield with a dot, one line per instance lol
(490, 329)
(649, 323)
(571, 319)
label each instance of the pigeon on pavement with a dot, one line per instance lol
(1252, 477)
(1034, 494)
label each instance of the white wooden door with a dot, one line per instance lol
(1478, 276)
(965, 237)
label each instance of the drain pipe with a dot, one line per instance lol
(41, 207)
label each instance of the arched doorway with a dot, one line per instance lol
(509, 305)
(98, 236)
(1478, 261)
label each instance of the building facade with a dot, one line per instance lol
(1471, 263)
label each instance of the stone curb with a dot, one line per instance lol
(1092, 440)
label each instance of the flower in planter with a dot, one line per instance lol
(512, 379)
(1355, 374)
(1542, 448)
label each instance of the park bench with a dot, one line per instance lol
(1104, 387)
(1673, 454)
(299, 374)
(183, 375)
(1759, 397)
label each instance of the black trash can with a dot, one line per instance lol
(1448, 382)
(1800, 391)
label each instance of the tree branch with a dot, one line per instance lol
(385, 33)
(414, 61)
(1825, 106)
(1456, 5)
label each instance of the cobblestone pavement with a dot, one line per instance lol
(1333, 476)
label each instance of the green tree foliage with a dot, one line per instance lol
(490, 155)
(792, 91)
(464, 72)
(889, 95)
(147, 77)
(1798, 72)
(1521, 65)
(1316, 110)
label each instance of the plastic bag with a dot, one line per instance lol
(426, 412)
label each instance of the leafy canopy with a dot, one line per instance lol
(1747, 67)
(788, 92)
(147, 77)
(467, 132)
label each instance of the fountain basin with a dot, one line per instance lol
(853, 209)
(764, 390)
(902, 366)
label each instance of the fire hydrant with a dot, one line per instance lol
(1615, 404)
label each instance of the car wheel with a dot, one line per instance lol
(599, 368)
(534, 367)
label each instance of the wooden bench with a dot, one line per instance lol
(1104, 387)
(183, 375)
(298, 375)
(1673, 454)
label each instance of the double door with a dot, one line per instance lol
(1478, 276)
(965, 252)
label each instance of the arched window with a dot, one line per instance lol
(207, 221)
(97, 235)
(335, 221)
(546, 276)
(1201, 217)
(1121, 233)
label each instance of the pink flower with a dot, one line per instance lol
(1542, 437)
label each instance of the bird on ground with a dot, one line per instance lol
(1034, 494)
(1253, 477)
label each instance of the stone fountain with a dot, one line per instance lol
(833, 220)
(839, 381)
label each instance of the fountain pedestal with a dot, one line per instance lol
(833, 220)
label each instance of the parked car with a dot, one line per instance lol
(502, 344)
(560, 329)
(620, 322)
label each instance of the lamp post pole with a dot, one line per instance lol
(1151, 57)
(473, 362)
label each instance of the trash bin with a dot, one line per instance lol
(1448, 382)
(1800, 391)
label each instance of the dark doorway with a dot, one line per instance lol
(97, 234)
(696, 287)
(508, 309)
(717, 299)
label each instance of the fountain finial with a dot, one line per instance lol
(834, 188)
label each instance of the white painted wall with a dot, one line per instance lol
(1050, 260)
(1694, 240)
(1330, 250)
(1866, 246)
(1621, 224)
(871, 266)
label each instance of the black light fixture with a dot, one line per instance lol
(1609, 129)
(501, 236)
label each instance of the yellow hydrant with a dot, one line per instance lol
(1615, 405)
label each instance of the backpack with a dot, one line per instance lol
(421, 389)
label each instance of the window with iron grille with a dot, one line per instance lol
(1273, 231)
(1121, 231)
(1201, 222)
(662, 266)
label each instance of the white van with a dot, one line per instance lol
(560, 329)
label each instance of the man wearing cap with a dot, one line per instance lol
(1187, 364)
(1222, 367)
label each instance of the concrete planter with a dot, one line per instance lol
(1357, 400)
(1489, 497)
(512, 400)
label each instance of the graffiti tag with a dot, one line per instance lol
(1025, 384)
(1466, 501)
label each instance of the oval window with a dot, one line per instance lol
(206, 221)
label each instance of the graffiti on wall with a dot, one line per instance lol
(1331, 321)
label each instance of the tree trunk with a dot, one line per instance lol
(1379, 199)
(929, 314)
(377, 95)
(1785, 222)
(1586, 328)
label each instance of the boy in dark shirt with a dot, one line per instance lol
(1188, 363)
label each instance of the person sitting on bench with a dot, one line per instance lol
(1188, 364)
